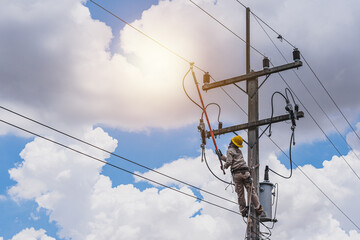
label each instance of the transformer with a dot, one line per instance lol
(266, 196)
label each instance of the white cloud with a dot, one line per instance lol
(59, 180)
(302, 207)
(56, 52)
(31, 234)
(83, 202)
(68, 67)
(2, 198)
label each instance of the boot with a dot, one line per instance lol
(259, 210)
(244, 211)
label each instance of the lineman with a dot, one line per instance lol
(241, 175)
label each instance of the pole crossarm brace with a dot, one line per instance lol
(253, 124)
(251, 75)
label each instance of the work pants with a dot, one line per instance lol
(242, 179)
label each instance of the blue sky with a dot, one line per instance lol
(99, 80)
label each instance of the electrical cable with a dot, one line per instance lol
(332, 99)
(290, 158)
(302, 171)
(279, 35)
(230, 97)
(298, 167)
(260, 233)
(311, 69)
(287, 97)
(204, 157)
(325, 195)
(276, 203)
(272, 107)
(240, 106)
(183, 84)
(328, 138)
(225, 27)
(146, 35)
(317, 105)
(202, 114)
(113, 154)
(317, 78)
(117, 167)
(218, 153)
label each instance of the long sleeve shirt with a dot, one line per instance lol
(234, 159)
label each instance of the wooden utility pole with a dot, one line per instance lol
(253, 133)
(252, 90)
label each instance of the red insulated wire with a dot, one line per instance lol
(207, 118)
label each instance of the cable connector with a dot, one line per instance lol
(202, 131)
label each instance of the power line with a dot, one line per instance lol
(232, 98)
(223, 25)
(279, 35)
(318, 79)
(115, 155)
(146, 35)
(311, 69)
(328, 138)
(278, 145)
(117, 167)
(326, 196)
(318, 106)
(302, 171)
(308, 177)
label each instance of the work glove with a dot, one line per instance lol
(221, 156)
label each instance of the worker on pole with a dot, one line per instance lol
(241, 176)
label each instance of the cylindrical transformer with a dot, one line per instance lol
(266, 189)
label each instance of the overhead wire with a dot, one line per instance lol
(117, 167)
(312, 96)
(222, 24)
(203, 155)
(279, 35)
(114, 154)
(305, 173)
(246, 114)
(163, 46)
(332, 99)
(302, 171)
(183, 84)
(318, 125)
(322, 130)
(146, 35)
(306, 62)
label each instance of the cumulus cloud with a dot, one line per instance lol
(31, 234)
(55, 70)
(83, 202)
(302, 207)
(59, 180)
(56, 66)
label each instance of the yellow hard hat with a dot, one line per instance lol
(238, 141)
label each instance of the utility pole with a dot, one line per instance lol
(252, 90)
(253, 133)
